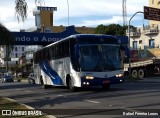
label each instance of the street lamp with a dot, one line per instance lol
(129, 41)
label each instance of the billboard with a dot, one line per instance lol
(35, 38)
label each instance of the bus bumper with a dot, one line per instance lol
(101, 81)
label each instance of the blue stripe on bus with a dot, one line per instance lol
(56, 79)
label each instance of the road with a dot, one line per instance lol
(128, 97)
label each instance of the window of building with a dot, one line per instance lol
(16, 55)
(15, 48)
(135, 45)
(140, 41)
(151, 43)
(22, 48)
(152, 1)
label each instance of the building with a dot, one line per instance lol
(16, 53)
(147, 36)
(154, 4)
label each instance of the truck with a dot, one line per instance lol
(143, 62)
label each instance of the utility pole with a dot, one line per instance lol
(129, 41)
(124, 12)
(68, 11)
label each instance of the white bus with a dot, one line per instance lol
(80, 60)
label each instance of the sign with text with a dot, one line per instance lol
(151, 13)
(47, 8)
(35, 38)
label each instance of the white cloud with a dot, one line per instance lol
(113, 20)
(85, 12)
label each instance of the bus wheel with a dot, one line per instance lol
(134, 73)
(44, 86)
(141, 73)
(71, 85)
(42, 83)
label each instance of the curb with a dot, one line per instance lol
(21, 81)
(29, 107)
(142, 81)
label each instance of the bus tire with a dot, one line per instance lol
(42, 83)
(134, 73)
(70, 84)
(141, 73)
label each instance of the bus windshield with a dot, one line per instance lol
(100, 58)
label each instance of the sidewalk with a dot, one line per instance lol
(150, 80)
(145, 80)
(23, 80)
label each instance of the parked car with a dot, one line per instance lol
(31, 78)
(19, 74)
(7, 78)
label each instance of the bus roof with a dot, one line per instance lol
(81, 36)
(110, 39)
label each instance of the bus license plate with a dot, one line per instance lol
(106, 82)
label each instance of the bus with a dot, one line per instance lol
(80, 60)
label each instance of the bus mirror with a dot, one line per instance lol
(76, 51)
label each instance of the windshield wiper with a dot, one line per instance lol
(110, 64)
(96, 67)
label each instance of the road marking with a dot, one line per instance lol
(28, 91)
(96, 102)
(18, 89)
(60, 95)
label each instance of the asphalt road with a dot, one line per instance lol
(124, 98)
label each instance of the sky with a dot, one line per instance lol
(89, 13)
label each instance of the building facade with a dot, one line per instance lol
(147, 36)
(17, 52)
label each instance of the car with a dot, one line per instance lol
(31, 78)
(7, 78)
(19, 74)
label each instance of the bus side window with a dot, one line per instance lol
(66, 48)
(47, 54)
(50, 52)
(56, 51)
(74, 60)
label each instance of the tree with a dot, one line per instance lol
(112, 29)
(101, 29)
(6, 39)
(21, 9)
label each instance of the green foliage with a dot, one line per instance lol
(6, 39)
(100, 29)
(112, 29)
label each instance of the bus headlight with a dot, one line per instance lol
(89, 77)
(119, 75)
